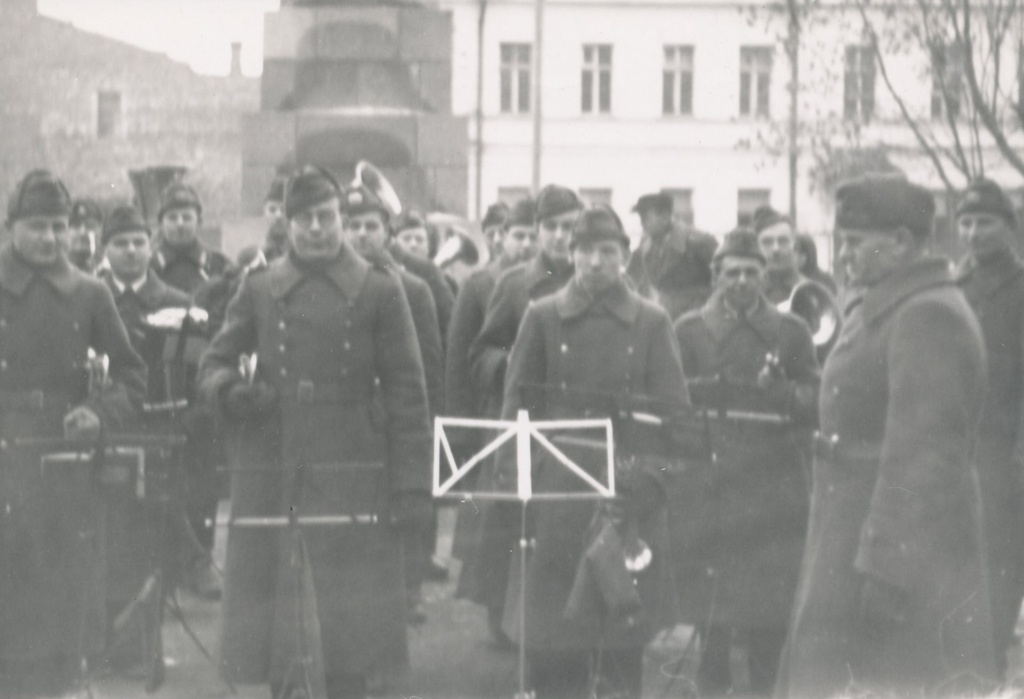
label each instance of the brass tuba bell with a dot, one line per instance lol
(372, 179)
(817, 306)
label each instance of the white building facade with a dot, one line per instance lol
(687, 97)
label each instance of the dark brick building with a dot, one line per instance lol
(91, 108)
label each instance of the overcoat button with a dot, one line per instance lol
(281, 325)
(281, 347)
(284, 372)
(565, 348)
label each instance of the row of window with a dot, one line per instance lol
(756, 63)
(747, 201)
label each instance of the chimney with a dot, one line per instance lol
(236, 59)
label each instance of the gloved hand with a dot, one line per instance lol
(411, 511)
(244, 401)
(884, 607)
(82, 423)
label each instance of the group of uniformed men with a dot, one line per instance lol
(855, 527)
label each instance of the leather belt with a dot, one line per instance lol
(832, 447)
(34, 401)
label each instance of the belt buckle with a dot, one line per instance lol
(36, 400)
(305, 392)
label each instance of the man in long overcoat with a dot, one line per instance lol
(51, 562)
(740, 522)
(462, 399)
(673, 264)
(593, 345)
(556, 213)
(893, 595)
(334, 424)
(992, 279)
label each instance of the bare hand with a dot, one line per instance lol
(82, 423)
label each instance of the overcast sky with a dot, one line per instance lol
(197, 32)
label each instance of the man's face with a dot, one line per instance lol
(40, 239)
(655, 221)
(740, 280)
(985, 234)
(315, 232)
(180, 226)
(272, 210)
(777, 247)
(493, 235)
(598, 264)
(554, 234)
(128, 255)
(520, 243)
(867, 256)
(82, 237)
(414, 241)
(367, 233)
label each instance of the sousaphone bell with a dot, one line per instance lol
(372, 179)
(817, 306)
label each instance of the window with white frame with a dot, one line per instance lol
(682, 205)
(108, 113)
(677, 80)
(510, 196)
(516, 65)
(747, 202)
(596, 96)
(755, 80)
(859, 83)
(596, 196)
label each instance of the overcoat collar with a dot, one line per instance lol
(573, 301)
(540, 269)
(721, 320)
(151, 293)
(16, 275)
(348, 271)
(981, 280)
(923, 274)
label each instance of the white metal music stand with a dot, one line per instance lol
(524, 431)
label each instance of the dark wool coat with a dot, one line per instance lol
(48, 321)
(995, 291)
(339, 348)
(430, 273)
(896, 498)
(463, 400)
(187, 269)
(486, 575)
(675, 269)
(739, 524)
(584, 354)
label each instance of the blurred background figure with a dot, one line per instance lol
(84, 232)
(276, 243)
(807, 263)
(492, 227)
(410, 231)
(777, 239)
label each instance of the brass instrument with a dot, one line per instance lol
(372, 179)
(463, 249)
(817, 306)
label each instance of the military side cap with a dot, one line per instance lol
(524, 213)
(984, 196)
(409, 219)
(555, 200)
(659, 202)
(740, 242)
(360, 200)
(308, 187)
(766, 217)
(179, 195)
(276, 191)
(598, 225)
(39, 193)
(884, 203)
(83, 210)
(496, 215)
(123, 219)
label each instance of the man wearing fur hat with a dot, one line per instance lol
(518, 243)
(741, 523)
(992, 279)
(592, 345)
(673, 264)
(180, 259)
(51, 315)
(333, 423)
(893, 596)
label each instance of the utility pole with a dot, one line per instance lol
(538, 37)
(793, 50)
